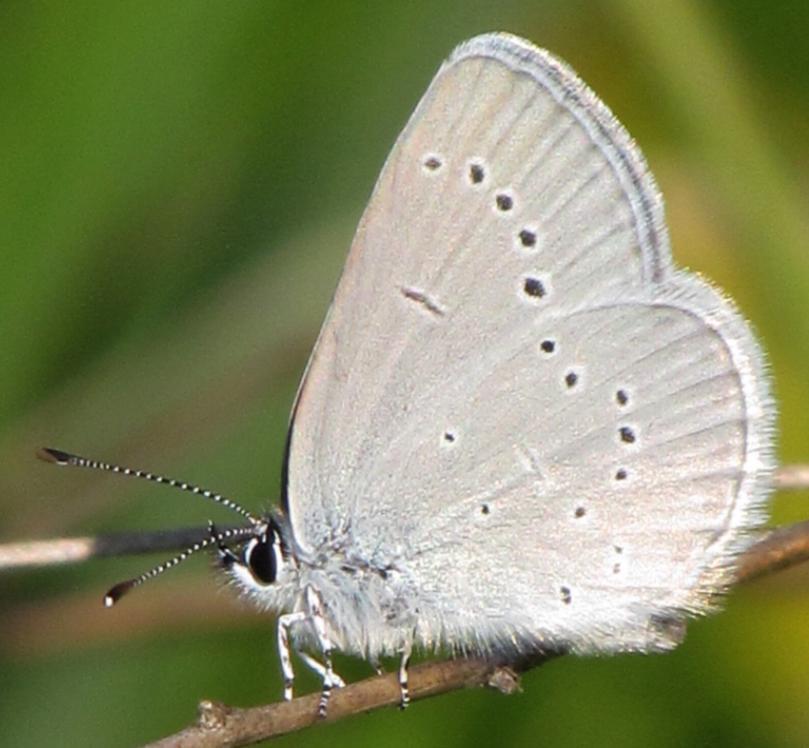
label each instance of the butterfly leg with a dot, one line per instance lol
(320, 669)
(404, 693)
(285, 622)
(330, 678)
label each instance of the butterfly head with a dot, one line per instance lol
(263, 561)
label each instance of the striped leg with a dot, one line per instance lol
(320, 669)
(403, 690)
(285, 622)
(330, 678)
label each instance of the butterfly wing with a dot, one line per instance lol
(553, 432)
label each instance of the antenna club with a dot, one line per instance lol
(118, 591)
(56, 456)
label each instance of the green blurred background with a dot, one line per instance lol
(180, 183)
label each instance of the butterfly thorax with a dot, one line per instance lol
(365, 601)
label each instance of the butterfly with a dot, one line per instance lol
(522, 427)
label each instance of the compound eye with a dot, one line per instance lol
(260, 557)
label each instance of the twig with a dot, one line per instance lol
(32, 553)
(792, 478)
(778, 549)
(219, 725)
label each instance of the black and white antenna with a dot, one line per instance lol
(215, 537)
(58, 457)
